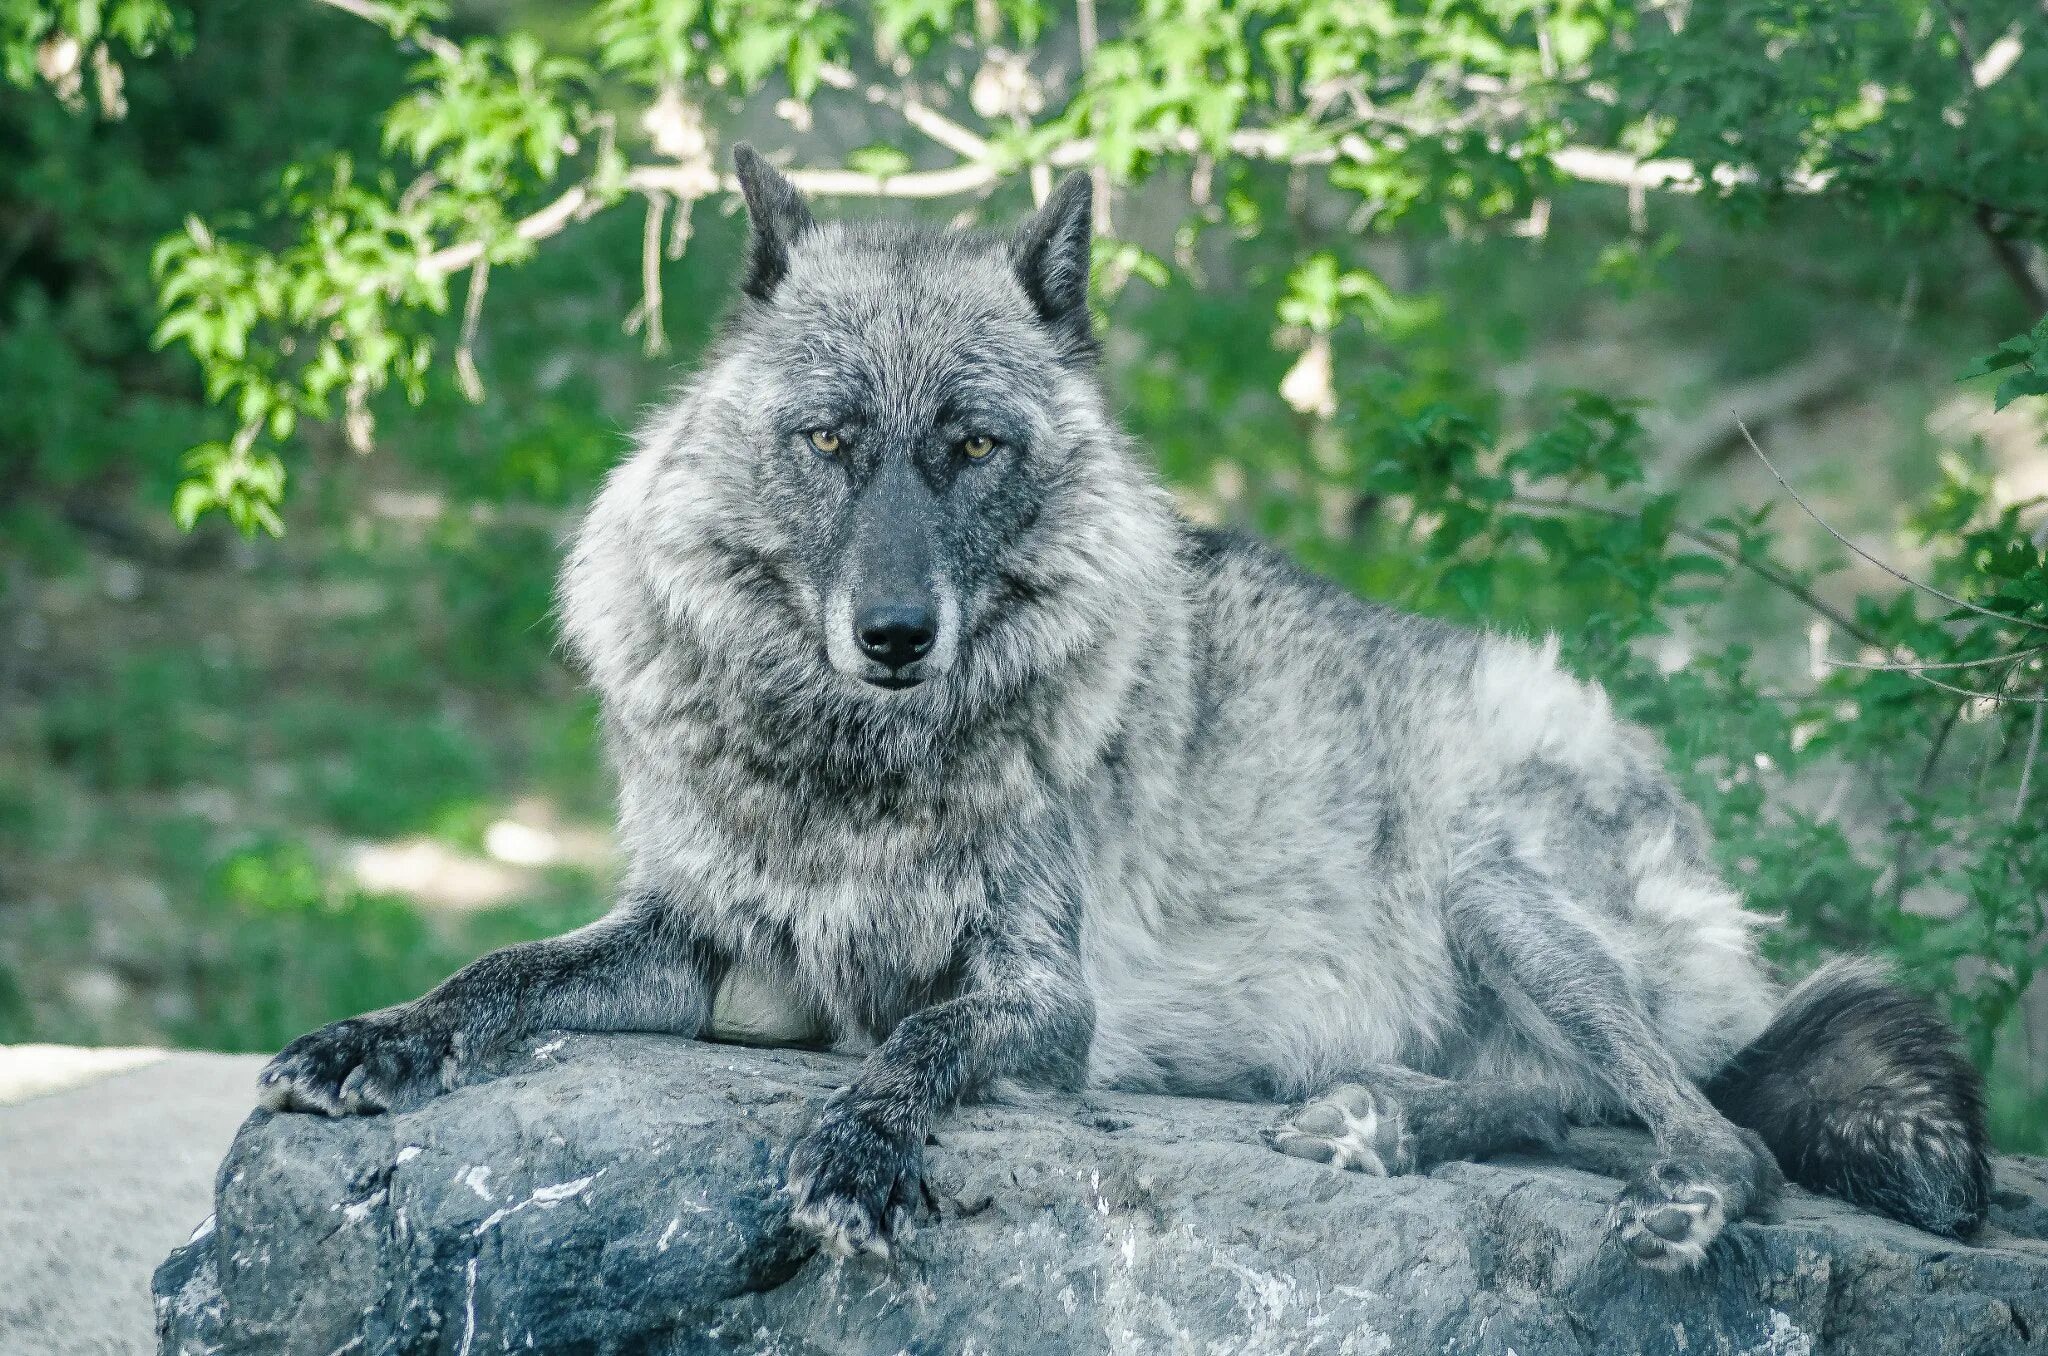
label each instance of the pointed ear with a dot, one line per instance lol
(1051, 255)
(778, 214)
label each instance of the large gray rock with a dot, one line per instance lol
(619, 1194)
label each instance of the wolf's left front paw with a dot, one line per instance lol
(851, 1181)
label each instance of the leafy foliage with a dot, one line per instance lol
(2023, 359)
(1313, 172)
(59, 44)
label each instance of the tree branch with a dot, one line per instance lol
(1995, 698)
(539, 226)
(1897, 574)
(920, 115)
(382, 16)
(1618, 169)
(2018, 268)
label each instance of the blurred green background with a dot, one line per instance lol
(251, 784)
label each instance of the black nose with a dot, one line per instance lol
(895, 634)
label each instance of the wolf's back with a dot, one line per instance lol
(1860, 1092)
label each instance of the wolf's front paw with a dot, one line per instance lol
(382, 1061)
(851, 1182)
(1350, 1127)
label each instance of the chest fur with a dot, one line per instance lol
(861, 952)
(856, 895)
(849, 856)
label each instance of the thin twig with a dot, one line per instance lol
(1966, 50)
(1902, 842)
(679, 229)
(943, 130)
(920, 115)
(1921, 666)
(542, 224)
(1899, 575)
(1995, 698)
(1706, 540)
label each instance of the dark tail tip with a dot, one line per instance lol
(1860, 1091)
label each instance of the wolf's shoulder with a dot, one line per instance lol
(1292, 660)
(1242, 582)
(1289, 641)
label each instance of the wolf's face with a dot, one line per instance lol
(901, 395)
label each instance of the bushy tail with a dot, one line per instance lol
(1860, 1091)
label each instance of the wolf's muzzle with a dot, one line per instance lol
(896, 636)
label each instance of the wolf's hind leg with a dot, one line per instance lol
(1396, 1121)
(1528, 942)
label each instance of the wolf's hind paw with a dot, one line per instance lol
(1675, 1208)
(1349, 1127)
(1666, 1218)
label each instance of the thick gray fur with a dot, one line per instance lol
(1156, 810)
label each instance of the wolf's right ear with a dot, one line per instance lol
(777, 213)
(1051, 256)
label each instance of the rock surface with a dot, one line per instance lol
(619, 1194)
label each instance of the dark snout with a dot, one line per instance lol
(894, 614)
(896, 635)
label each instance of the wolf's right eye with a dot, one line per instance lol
(825, 441)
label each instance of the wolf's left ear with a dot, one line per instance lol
(1051, 256)
(778, 215)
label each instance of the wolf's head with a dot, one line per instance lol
(894, 493)
(904, 388)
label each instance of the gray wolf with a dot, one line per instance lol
(924, 702)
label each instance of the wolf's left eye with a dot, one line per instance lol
(978, 447)
(825, 441)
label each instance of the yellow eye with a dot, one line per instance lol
(978, 447)
(825, 440)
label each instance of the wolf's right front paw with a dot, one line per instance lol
(852, 1182)
(382, 1061)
